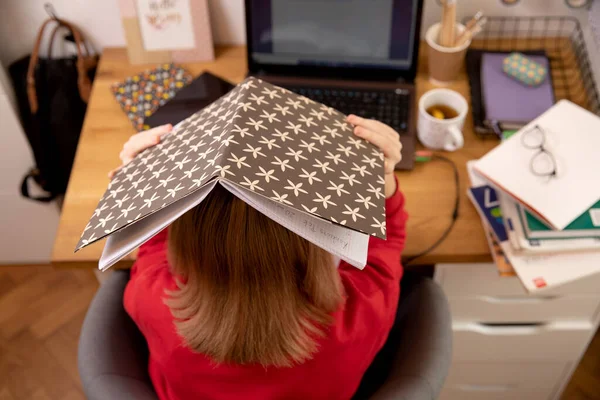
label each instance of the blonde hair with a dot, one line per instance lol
(251, 290)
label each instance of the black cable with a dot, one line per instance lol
(454, 212)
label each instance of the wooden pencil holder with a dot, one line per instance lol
(444, 63)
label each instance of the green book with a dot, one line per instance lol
(585, 226)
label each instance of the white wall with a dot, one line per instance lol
(100, 19)
(28, 227)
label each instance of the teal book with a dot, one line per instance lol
(585, 226)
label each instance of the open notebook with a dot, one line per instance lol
(290, 158)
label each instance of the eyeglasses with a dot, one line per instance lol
(543, 162)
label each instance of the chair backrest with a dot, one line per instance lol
(113, 357)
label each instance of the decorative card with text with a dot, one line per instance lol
(294, 160)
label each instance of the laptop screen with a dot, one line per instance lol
(334, 33)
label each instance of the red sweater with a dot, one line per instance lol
(360, 329)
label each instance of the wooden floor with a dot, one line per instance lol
(41, 312)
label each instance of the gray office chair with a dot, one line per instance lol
(412, 365)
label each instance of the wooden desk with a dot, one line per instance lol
(429, 188)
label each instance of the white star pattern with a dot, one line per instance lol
(372, 162)
(296, 128)
(342, 125)
(357, 143)
(267, 175)
(238, 161)
(361, 169)
(323, 169)
(321, 139)
(309, 176)
(294, 103)
(242, 131)
(126, 211)
(376, 191)
(282, 163)
(347, 150)
(270, 143)
(295, 188)
(283, 110)
(252, 185)
(246, 106)
(142, 192)
(255, 151)
(258, 99)
(223, 171)
(350, 178)
(269, 117)
(353, 212)
(365, 201)
(173, 191)
(296, 154)
(104, 220)
(319, 115)
(198, 182)
(156, 174)
(379, 225)
(336, 158)
(281, 198)
(307, 120)
(332, 131)
(310, 147)
(282, 135)
(119, 202)
(256, 124)
(165, 182)
(339, 189)
(309, 210)
(324, 200)
(271, 93)
(324, 166)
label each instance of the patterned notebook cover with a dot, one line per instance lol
(140, 95)
(263, 139)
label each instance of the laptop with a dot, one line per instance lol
(357, 56)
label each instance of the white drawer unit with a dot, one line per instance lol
(549, 342)
(509, 344)
(523, 308)
(486, 380)
(483, 279)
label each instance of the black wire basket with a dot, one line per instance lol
(561, 38)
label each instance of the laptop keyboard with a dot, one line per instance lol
(390, 107)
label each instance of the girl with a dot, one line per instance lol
(233, 305)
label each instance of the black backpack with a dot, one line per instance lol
(52, 96)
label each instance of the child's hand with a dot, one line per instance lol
(140, 142)
(388, 141)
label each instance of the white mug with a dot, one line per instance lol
(442, 134)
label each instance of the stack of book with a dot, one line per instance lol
(538, 195)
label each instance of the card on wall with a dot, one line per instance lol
(163, 31)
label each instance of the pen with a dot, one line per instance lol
(472, 22)
(469, 34)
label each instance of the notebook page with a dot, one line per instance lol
(123, 242)
(347, 244)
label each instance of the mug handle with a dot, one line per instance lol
(454, 140)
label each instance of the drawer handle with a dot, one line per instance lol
(485, 388)
(530, 329)
(517, 300)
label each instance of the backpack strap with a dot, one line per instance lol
(83, 82)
